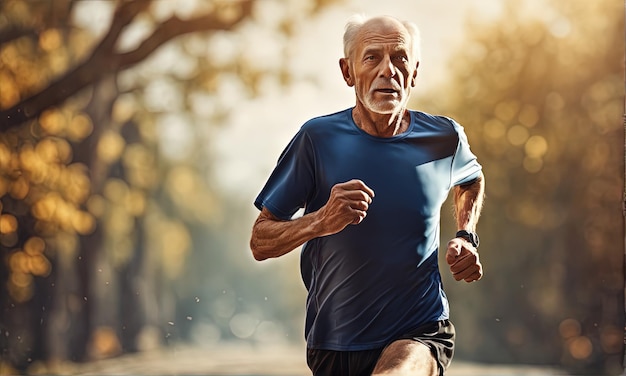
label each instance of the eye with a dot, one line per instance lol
(402, 58)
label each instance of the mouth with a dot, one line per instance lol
(386, 91)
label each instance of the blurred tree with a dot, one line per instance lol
(104, 197)
(542, 98)
(105, 58)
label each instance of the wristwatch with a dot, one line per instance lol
(471, 237)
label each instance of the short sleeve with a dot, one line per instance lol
(291, 182)
(465, 166)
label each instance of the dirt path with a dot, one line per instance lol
(246, 360)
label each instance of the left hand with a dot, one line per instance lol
(463, 260)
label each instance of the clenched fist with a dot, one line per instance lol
(463, 260)
(348, 204)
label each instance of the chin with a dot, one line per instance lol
(383, 108)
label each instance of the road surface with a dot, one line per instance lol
(257, 361)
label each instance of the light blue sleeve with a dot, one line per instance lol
(465, 166)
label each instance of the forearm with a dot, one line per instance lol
(468, 204)
(272, 237)
(348, 204)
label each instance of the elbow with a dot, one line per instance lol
(256, 252)
(258, 256)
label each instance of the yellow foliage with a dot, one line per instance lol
(119, 223)
(123, 108)
(53, 121)
(517, 135)
(494, 129)
(6, 156)
(140, 166)
(115, 190)
(76, 184)
(39, 265)
(54, 150)
(8, 224)
(111, 146)
(96, 205)
(83, 223)
(135, 202)
(536, 146)
(9, 92)
(528, 116)
(19, 188)
(80, 127)
(21, 280)
(50, 39)
(46, 207)
(34, 246)
(58, 61)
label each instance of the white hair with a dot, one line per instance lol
(356, 22)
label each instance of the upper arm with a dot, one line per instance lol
(476, 184)
(465, 168)
(266, 214)
(291, 183)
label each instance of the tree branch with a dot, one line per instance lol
(14, 33)
(174, 27)
(104, 60)
(123, 16)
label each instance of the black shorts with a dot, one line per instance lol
(437, 336)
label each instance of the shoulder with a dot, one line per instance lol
(437, 120)
(438, 123)
(325, 123)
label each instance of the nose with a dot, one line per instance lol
(388, 70)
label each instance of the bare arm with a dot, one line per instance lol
(273, 237)
(468, 203)
(462, 255)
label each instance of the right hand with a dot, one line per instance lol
(348, 204)
(463, 260)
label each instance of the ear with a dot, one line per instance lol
(345, 71)
(414, 78)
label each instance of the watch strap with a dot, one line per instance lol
(471, 237)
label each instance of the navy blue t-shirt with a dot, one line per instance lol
(377, 280)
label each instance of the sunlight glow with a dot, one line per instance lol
(517, 135)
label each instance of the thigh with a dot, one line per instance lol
(407, 357)
(422, 346)
(344, 363)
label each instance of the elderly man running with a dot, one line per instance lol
(372, 180)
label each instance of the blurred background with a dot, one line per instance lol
(135, 135)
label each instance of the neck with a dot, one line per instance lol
(381, 125)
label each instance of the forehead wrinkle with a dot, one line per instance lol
(381, 42)
(371, 40)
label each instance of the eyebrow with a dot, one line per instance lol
(399, 48)
(370, 50)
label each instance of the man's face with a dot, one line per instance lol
(381, 66)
